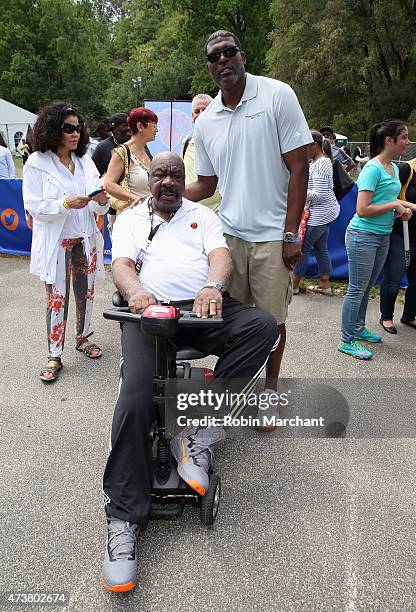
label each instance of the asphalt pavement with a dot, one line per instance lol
(306, 522)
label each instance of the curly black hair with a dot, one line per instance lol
(47, 131)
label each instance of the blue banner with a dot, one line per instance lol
(16, 226)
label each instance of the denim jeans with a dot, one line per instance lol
(316, 238)
(394, 269)
(367, 253)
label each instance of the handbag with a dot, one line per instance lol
(116, 203)
(343, 183)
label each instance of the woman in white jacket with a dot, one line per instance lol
(66, 241)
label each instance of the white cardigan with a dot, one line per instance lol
(43, 194)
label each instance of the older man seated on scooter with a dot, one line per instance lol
(168, 249)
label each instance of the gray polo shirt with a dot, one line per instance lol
(244, 148)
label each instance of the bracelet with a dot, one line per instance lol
(213, 285)
(66, 205)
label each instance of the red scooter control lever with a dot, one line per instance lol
(159, 311)
(160, 320)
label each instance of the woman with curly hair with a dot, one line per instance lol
(66, 241)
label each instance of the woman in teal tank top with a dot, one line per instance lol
(368, 234)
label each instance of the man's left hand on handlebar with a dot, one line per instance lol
(208, 303)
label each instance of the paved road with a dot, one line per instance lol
(305, 523)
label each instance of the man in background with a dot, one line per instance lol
(199, 104)
(24, 150)
(337, 153)
(92, 143)
(120, 133)
(102, 131)
(360, 157)
(7, 169)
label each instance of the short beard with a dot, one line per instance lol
(172, 207)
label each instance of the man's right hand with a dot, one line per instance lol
(140, 299)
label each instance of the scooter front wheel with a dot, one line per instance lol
(210, 503)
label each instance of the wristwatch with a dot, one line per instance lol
(218, 286)
(291, 237)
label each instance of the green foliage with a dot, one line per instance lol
(53, 51)
(352, 64)
(249, 20)
(165, 71)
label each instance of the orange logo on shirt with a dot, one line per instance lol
(194, 225)
(29, 221)
(10, 219)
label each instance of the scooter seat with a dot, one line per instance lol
(189, 352)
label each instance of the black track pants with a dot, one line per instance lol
(242, 345)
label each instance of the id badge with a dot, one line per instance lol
(139, 260)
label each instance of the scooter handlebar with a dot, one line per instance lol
(186, 319)
(122, 314)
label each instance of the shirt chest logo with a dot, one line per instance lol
(255, 115)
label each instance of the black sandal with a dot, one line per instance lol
(54, 370)
(87, 350)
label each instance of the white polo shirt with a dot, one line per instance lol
(244, 148)
(176, 263)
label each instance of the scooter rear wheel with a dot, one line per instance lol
(210, 503)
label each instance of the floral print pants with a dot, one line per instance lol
(72, 261)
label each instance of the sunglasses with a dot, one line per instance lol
(69, 128)
(228, 52)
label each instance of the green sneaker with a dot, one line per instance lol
(367, 335)
(355, 349)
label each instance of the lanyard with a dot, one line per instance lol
(152, 234)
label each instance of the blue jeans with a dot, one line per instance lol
(367, 253)
(394, 269)
(316, 238)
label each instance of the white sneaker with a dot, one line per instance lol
(318, 289)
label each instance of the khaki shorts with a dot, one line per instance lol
(260, 276)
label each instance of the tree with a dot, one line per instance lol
(54, 51)
(249, 20)
(352, 64)
(165, 71)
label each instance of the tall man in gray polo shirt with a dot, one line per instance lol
(252, 141)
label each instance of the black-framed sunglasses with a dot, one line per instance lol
(70, 128)
(228, 52)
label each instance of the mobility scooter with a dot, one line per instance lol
(170, 493)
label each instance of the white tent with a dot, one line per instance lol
(14, 123)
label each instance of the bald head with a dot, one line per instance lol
(167, 181)
(166, 157)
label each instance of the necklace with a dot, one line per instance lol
(141, 156)
(68, 164)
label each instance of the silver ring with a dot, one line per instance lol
(213, 301)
